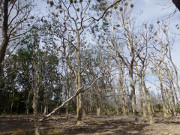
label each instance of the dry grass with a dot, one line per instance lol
(19, 132)
(57, 132)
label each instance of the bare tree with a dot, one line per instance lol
(125, 27)
(14, 22)
(74, 19)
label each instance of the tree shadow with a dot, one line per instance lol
(10, 124)
(108, 127)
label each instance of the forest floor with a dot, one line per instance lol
(92, 125)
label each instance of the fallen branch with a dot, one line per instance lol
(68, 100)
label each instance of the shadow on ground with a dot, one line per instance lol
(92, 125)
(103, 126)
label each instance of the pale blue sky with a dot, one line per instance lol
(154, 10)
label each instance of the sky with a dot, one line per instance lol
(151, 11)
(154, 10)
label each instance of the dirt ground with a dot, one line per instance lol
(92, 125)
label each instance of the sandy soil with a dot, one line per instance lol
(92, 125)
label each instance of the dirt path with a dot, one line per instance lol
(63, 125)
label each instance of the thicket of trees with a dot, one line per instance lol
(92, 50)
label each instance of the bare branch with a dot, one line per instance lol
(106, 10)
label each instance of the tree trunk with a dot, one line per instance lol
(172, 92)
(172, 100)
(5, 37)
(142, 101)
(45, 103)
(132, 89)
(67, 109)
(117, 109)
(45, 109)
(124, 97)
(176, 97)
(122, 90)
(28, 102)
(176, 73)
(162, 93)
(35, 90)
(148, 102)
(98, 111)
(78, 82)
(168, 95)
(84, 112)
(12, 103)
